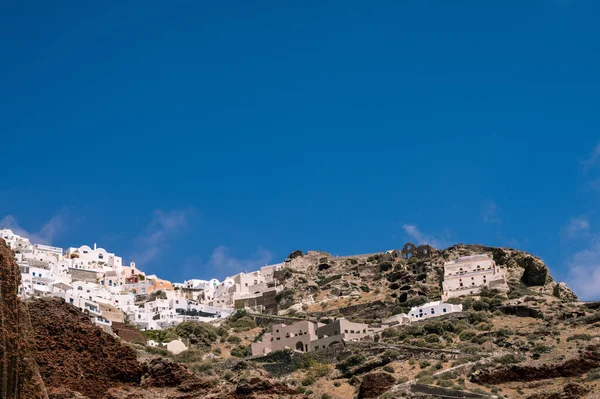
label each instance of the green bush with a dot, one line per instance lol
(424, 364)
(480, 305)
(241, 351)
(245, 323)
(390, 355)
(580, 337)
(541, 348)
(190, 356)
(232, 339)
(429, 380)
(445, 383)
(352, 361)
(388, 369)
(200, 334)
(593, 375)
(432, 338)
(308, 381)
(202, 368)
(467, 335)
(509, 359)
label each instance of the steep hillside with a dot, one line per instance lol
(319, 283)
(19, 377)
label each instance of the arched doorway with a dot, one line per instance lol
(300, 346)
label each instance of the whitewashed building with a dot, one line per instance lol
(466, 276)
(433, 309)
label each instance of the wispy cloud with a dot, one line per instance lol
(593, 158)
(421, 238)
(222, 263)
(577, 227)
(584, 271)
(48, 232)
(164, 227)
(490, 212)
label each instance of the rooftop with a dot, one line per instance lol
(468, 259)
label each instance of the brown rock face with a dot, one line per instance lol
(19, 378)
(588, 360)
(75, 354)
(375, 384)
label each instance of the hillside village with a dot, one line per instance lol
(467, 320)
(96, 282)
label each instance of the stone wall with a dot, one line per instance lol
(439, 392)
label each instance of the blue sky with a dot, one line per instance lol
(204, 139)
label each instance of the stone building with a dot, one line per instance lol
(307, 336)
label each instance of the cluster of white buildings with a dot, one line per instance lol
(96, 281)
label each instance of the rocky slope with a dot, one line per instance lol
(19, 377)
(318, 282)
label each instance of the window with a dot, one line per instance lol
(346, 331)
(444, 310)
(461, 284)
(278, 338)
(100, 256)
(33, 274)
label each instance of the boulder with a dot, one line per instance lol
(535, 273)
(375, 384)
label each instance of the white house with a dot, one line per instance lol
(432, 309)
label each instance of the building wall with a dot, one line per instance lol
(433, 309)
(466, 276)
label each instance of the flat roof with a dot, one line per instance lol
(467, 259)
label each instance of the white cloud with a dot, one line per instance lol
(46, 234)
(577, 226)
(421, 238)
(160, 231)
(584, 271)
(490, 212)
(593, 158)
(222, 263)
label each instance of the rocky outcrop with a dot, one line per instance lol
(375, 384)
(74, 353)
(162, 373)
(588, 360)
(536, 272)
(19, 377)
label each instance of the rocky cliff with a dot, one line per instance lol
(19, 377)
